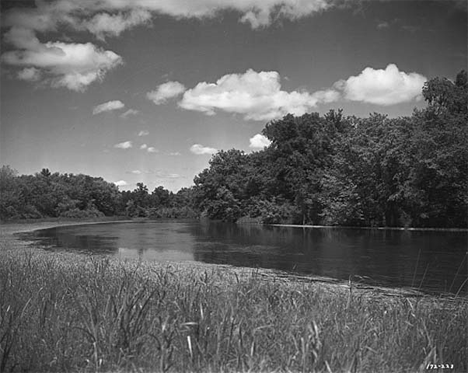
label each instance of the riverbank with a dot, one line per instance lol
(371, 228)
(67, 312)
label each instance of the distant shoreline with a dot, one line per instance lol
(32, 225)
(369, 228)
(51, 223)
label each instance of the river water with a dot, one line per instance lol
(434, 261)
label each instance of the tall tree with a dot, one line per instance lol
(300, 152)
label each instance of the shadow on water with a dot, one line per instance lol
(430, 260)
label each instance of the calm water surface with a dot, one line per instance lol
(431, 260)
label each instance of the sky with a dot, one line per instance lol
(148, 90)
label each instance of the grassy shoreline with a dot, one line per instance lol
(62, 312)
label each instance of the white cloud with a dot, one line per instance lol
(108, 106)
(149, 149)
(259, 141)
(165, 92)
(124, 145)
(91, 16)
(326, 96)
(104, 24)
(264, 13)
(40, 19)
(136, 172)
(383, 25)
(382, 87)
(70, 65)
(256, 95)
(200, 149)
(29, 74)
(175, 154)
(143, 133)
(128, 113)
(111, 17)
(121, 183)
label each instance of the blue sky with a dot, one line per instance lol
(146, 91)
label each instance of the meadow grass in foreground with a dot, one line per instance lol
(63, 312)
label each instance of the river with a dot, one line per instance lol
(433, 261)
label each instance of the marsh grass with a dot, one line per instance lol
(63, 313)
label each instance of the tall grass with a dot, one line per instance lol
(63, 313)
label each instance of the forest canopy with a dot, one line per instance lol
(331, 170)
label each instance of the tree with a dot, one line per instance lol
(364, 185)
(140, 195)
(219, 190)
(161, 197)
(299, 154)
(446, 96)
(45, 172)
(437, 187)
(10, 199)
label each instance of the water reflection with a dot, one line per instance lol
(434, 260)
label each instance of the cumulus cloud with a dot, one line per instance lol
(77, 65)
(136, 172)
(149, 149)
(259, 141)
(128, 113)
(175, 154)
(70, 65)
(29, 74)
(383, 25)
(42, 18)
(108, 106)
(124, 145)
(256, 95)
(112, 17)
(104, 24)
(264, 13)
(165, 92)
(382, 87)
(121, 183)
(143, 133)
(101, 18)
(200, 149)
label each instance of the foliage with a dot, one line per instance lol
(220, 189)
(336, 170)
(330, 169)
(47, 194)
(161, 203)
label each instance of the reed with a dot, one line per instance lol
(64, 312)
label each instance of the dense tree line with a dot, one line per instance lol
(337, 170)
(47, 194)
(331, 169)
(161, 203)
